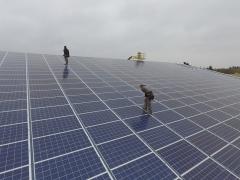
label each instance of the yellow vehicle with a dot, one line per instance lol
(139, 57)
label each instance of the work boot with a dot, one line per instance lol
(144, 111)
(150, 112)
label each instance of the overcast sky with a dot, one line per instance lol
(203, 32)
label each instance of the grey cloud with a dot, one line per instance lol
(201, 32)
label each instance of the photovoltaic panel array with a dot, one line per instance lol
(85, 120)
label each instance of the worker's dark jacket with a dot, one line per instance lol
(66, 52)
(148, 93)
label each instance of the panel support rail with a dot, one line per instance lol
(30, 136)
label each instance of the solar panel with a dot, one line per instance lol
(85, 120)
(21, 173)
(182, 156)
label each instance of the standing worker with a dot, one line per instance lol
(148, 98)
(66, 54)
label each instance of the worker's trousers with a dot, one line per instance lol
(66, 59)
(147, 105)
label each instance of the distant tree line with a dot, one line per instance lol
(230, 70)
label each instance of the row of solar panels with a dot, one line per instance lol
(65, 145)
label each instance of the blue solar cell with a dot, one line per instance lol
(51, 112)
(141, 123)
(21, 173)
(122, 150)
(176, 95)
(42, 81)
(148, 167)
(235, 123)
(159, 137)
(124, 88)
(118, 103)
(138, 100)
(42, 94)
(218, 115)
(89, 107)
(188, 93)
(12, 82)
(214, 104)
(168, 89)
(102, 177)
(103, 89)
(94, 84)
(225, 132)
(12, 88)
(202, 107)
(182, 156)
(173, 103)
(236, 106)
(56, 125)
(107, 77)
(68, 79)
(156, 107)
(201, 98)
(85, 73)
(80, 91)
(78, 165)
(13, 105)
(108, 131)
(75, 85)
(13, 156)
(40, 76)
(94, 118)
(237, 143)
(227, 101)
(187, 111)
(230, 110)
(13, 77)
(13, 133)
(48, 102)
(188, 100)
(41, 87)
(13, 117)
(168, 116)
(230, 158)
(93, 79)
(83, 98)
(132, 93)
(13, 96)
(113, 95)
(128, 112)
(204, 120)
(207, 142)
(54, 145)
(211, 95)
(185, 127)
(209, 170)
(161, 97)
(118, 83)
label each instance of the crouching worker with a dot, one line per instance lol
(148, 98)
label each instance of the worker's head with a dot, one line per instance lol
(65, 47)
(142, 85)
